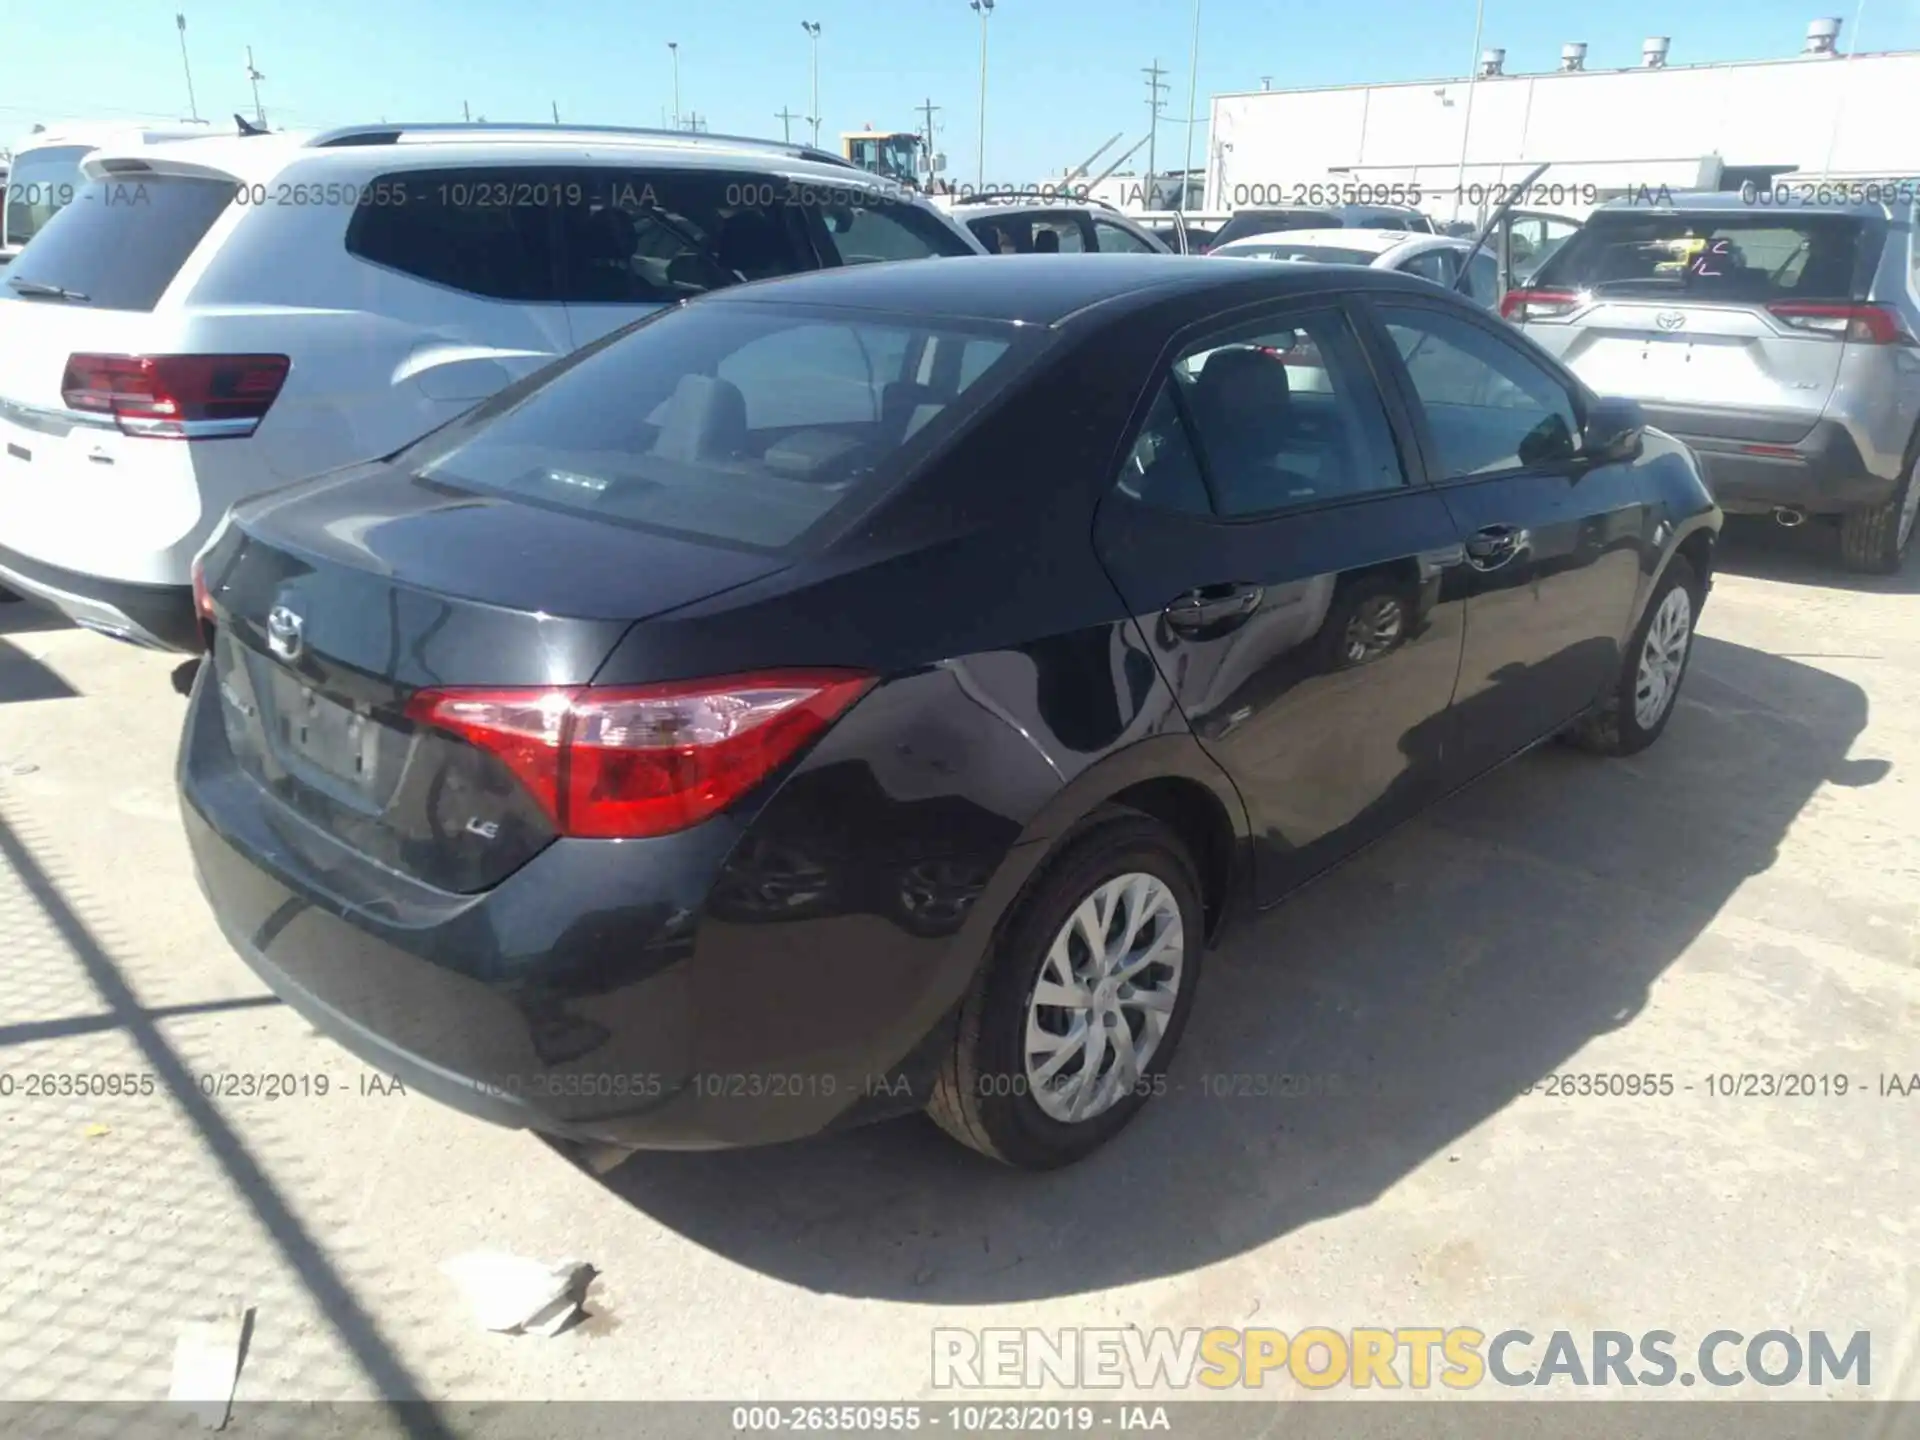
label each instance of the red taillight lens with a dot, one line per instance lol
(1521, 306)
(1858, 324)
(632, 761)
(176, 397)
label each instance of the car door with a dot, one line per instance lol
(1298, 586)
(1553, 539)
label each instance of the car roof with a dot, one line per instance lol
(1048, 289)
(260, 157)
(987, 209)
(1787, 197)
(93, 133)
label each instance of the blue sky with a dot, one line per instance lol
(1063, 75)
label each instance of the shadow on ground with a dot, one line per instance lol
(1808, 554)
(21, 676)
(1433, 978)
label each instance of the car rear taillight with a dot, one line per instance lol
(631, 761)
(1857, 324)
(176, 397)
(1523, 305)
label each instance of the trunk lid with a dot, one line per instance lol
(337, 602)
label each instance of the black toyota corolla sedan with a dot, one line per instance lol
(873, 690)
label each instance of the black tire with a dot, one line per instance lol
(981, 1096)
(1870, 542)
(1611, 727)
(1347, 640)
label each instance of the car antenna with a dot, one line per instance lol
(246, 126)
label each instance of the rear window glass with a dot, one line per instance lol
(43, 181)
(1250, 223)
(1732, 257)
(121, 242)
(741, 423)
(1309, 254)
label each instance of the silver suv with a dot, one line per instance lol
(1777, 338)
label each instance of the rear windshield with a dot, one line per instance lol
(42, 182)
(120, 243)
(743, 423)
(1313, 254)
(1715, 257)
(1272, 222)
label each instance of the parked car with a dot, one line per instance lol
(1431, 257)
(1273, 220)
(1050, 226)
(45, 174)
(278, 305)
(772, 717)
(1777, 340)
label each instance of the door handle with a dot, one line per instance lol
(1495, 545)
(1211, 606)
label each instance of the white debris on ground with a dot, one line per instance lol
(520, 1296)
(206, 1365)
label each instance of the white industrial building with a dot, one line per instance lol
(1817, 112)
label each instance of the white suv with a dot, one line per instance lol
(221, 316)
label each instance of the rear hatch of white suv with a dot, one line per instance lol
(101, 382)
(1728, 323)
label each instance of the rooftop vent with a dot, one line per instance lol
(1492, 62)
(1653, 52)
(1823, 37)
(1573, 55)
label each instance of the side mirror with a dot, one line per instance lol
(1614, 428)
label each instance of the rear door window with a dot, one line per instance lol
(741, 423)
(1118, 240)
(120, 243)
(1290, 416)
(1742, 256)
(485, 231)
(876, 228)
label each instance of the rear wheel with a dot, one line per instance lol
(1636, 710)
(1070, 1027)
(1874, 541)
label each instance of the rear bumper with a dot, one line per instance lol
(606, 992)
(1757, 460)
(160, 617)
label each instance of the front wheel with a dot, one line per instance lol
(1634, 712)
(1069, 1029)
(1873, 542)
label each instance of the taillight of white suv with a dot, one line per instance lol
(176, 397)
(1856, 324)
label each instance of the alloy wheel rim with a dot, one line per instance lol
(1374, 629)
(1662, 657)
(1104, 997)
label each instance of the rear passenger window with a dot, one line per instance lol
(1118, 240)
(581, 234)
(1289, 417)
(1160, 469)
(1488, 406)
(487, 232)
(864, 234)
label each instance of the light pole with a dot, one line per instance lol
(1193, 89)
(812, 27)
(180, 21)
(985, 8)
(674, 47)
(256, 77)
(1466, 121)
